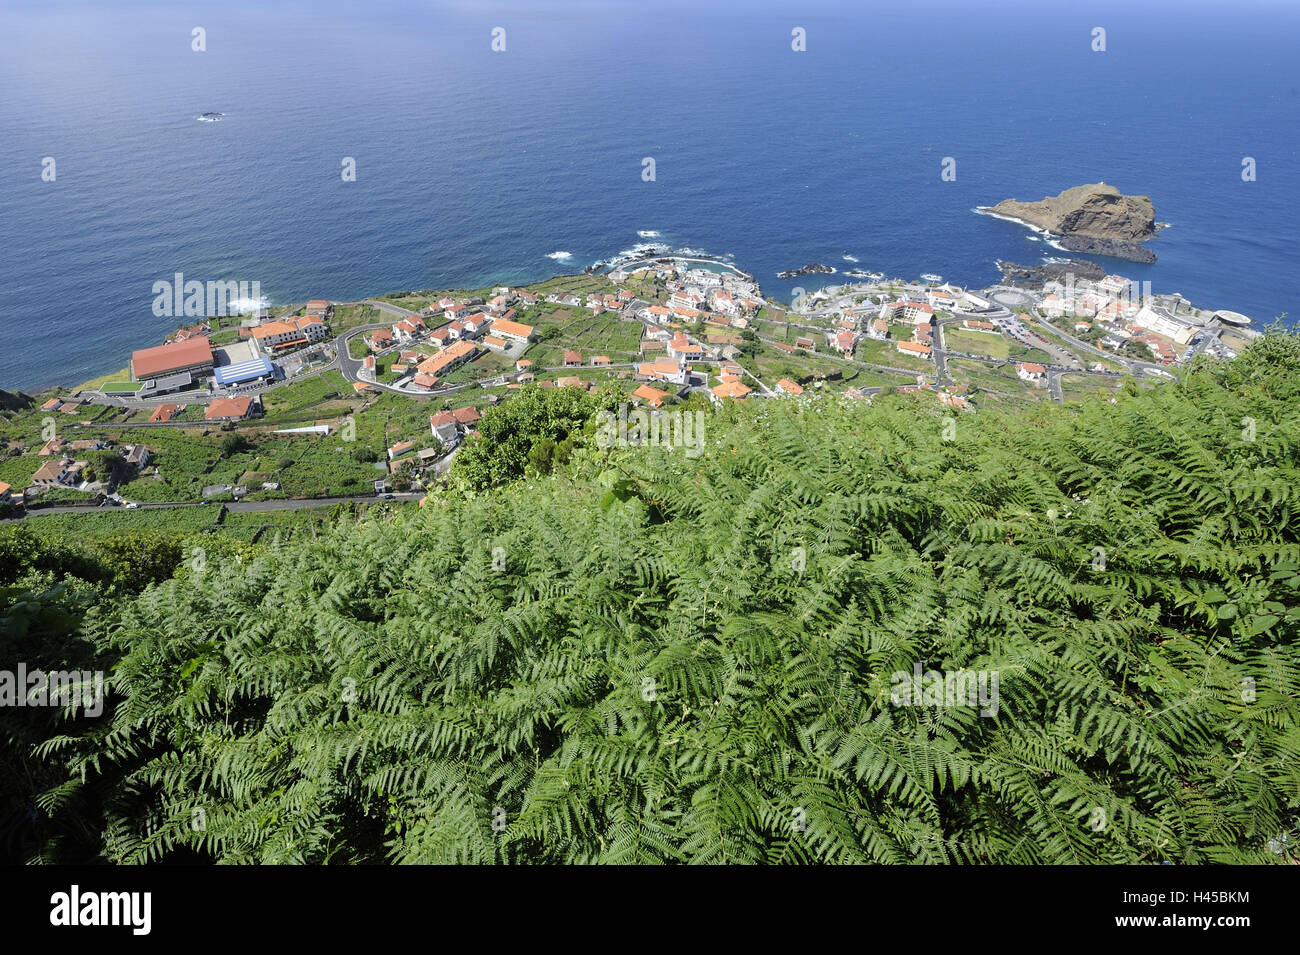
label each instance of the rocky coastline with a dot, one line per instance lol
(1035, 276)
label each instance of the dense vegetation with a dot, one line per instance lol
(536, 429)
(649, 657)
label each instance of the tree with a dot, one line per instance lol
(233, 444)
(401, 477)
(105, 461)
(509, 432)
(541, 456)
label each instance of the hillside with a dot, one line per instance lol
(649, 657)
(14, 401)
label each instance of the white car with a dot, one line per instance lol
(129, 505)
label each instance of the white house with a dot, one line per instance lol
(1031, 372)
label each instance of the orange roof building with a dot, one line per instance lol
(665, 369)
(730, 389)
(228, 408)
(509, 329)
(193, 355)
(651, 396)
(448, 358)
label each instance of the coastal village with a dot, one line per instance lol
(331, 400)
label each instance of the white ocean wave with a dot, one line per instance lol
(648, 234)
(246, 306)
(849, 258)
(643, 248)
(988, 211)
(559, 256)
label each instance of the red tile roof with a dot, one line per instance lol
(228, 408)
(152, 362)
(731, 389)
(503, 327)
(651, 396)
(447, 357)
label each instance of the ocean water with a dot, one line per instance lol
(475, 166)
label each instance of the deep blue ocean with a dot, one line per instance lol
(474, 166)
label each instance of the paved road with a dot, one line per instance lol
(1054, 385)
(939, 352)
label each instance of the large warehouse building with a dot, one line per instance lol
(192, 356)
(242, 372)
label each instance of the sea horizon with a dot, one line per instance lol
(454, 190)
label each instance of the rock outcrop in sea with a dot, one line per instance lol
(1033, 276)
(1095, 219)
(811, 269)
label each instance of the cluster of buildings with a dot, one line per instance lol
(878, 321)
(190, 358)
(465, 329)
(451, 427)
(1121, 311)
(697, 293)
(729, 384)
(64, 469)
